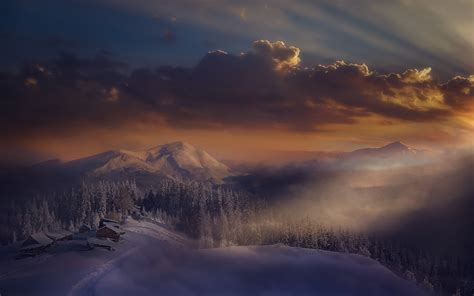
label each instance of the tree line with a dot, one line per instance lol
(218, 216)
(86, 204)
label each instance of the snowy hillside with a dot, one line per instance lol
(152, 260)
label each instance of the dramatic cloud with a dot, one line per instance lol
(263, 88)
(283, 56)
(65, 92)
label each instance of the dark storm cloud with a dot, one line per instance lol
(265, 87)
(66, 91)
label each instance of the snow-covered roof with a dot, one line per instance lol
(114, 224)
(109, 220)
(114, 229)
(58, 234)
(40, 238)
(54, 235)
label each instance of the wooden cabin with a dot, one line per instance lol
(59, 235)
(114, 225)
(35, 244)
(108, 232)
(38, 238)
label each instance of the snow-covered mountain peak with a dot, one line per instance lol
(182, 150)
(179, 145)
(177, 160)
(395, 146)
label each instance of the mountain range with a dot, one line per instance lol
(179, 161)
(183, 162)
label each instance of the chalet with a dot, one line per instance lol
(114, 225)
(35, 244)
(108, 231)
(105, 243)
(85, 228)
(59, 235)
(111, 223)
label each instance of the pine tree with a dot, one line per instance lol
(427, 285)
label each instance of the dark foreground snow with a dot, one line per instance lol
(155, 261)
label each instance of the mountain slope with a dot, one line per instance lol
(179, 160)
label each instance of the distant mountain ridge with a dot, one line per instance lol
(389, 150)
(392, 153)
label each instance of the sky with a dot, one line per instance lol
(233, 77)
